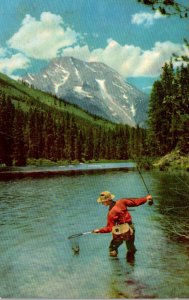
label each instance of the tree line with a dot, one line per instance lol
(168, 117)
(42, 132)
(54, 135)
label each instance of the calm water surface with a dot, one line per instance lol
(37, 216)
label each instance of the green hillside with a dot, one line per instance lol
(35, 125)
(25, 96)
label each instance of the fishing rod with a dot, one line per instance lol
(151, 201)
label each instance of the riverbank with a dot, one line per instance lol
(172, 161)
(43, 167)
(37, 171)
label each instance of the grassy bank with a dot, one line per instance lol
(46, 162)
(172, 161)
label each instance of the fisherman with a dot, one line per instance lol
(119, 222)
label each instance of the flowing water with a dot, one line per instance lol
(38, 215)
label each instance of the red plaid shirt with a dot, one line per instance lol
(118, 213)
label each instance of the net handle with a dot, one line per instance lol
(79, 234)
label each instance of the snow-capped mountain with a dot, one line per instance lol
(94, 87)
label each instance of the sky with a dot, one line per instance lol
(125, 35)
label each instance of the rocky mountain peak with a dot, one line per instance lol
(94, 87)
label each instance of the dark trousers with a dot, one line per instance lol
(119, 239)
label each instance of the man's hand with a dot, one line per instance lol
(95, 231)
(149, 199)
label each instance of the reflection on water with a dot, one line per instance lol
(37, 216)
(173, 204)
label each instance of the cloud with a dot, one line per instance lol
(47, 39)
(13, 63)
(129, 60)
(3, 52)
(146, 18)
(44, 38)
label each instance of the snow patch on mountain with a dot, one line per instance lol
(125, 97)
(133, 110)
(79, 90)
(30, 76)
(77, 73)
(91, 69)
(56, 86)
(107, 97)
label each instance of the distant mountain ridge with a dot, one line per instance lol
(94, 87)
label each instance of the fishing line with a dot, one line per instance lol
(176, 190)
(172, 207)
(182, 181)
(179, 193)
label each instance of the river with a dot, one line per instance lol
(38, 215)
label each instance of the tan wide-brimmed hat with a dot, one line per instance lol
(105, 196)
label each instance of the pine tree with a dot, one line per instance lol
(168, 110)
(7, 112)
(49, 136)
(19, 149)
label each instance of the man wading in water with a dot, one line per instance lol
(119, 222)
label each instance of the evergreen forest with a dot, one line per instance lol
(35, 125)
(168, 116)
